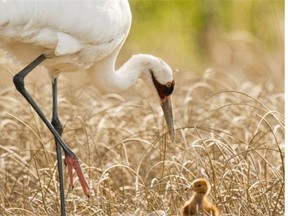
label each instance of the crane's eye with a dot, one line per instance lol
(163, 90)
(168, 88)
(168, 85)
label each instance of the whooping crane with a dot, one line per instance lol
(77, 35)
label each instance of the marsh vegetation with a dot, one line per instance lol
(228, 109)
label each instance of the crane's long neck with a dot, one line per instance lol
(107, 79)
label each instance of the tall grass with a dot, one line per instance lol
(231, 133)
(229, 120)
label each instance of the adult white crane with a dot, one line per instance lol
(78, 35)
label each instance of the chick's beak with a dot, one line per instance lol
(166, 104)
(193, 188)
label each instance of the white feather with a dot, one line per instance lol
(77, 35)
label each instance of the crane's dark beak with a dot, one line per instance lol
(166, 104)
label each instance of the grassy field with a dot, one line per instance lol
(229, 120)
(230, 133)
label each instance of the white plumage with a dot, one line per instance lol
(78, 35)
(78, 32)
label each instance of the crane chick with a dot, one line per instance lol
(199, 203)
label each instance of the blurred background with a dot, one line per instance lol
(240, 37)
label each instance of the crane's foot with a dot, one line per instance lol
(72, 163)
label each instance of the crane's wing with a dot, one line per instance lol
(91, 28)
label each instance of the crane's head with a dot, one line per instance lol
(159, 76)
(201, 186)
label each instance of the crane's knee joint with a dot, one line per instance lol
(18, 81)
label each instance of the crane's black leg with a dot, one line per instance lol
(70, 158)
(18, 80)
(58, 126)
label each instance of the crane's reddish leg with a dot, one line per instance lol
(72, 163)
(71, 159)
